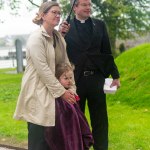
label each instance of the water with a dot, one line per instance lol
(7, 63)
(11, 62)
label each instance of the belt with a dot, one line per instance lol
(88, 73)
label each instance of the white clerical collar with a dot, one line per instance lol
(81, 21)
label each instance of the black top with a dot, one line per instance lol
(86, 42)
(85, 31)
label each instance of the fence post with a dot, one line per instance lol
(19, 56)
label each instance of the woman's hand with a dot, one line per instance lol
(69, 97)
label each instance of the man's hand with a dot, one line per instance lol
(115, 82)
(64, 28)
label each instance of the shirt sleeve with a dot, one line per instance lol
(106, 48)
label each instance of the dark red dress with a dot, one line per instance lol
(71, 131)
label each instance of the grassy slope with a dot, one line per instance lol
(129, 108)
(134, 67)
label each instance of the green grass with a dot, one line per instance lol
(129, 128)
(134, 67)
(11, 131)
(128, 109)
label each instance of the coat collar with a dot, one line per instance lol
(45, 33)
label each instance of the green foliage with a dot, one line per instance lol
(14, 5)
(124, 18)
(65, 4)
(134, 70)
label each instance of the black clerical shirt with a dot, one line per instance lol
(84, 35)
(84, 31)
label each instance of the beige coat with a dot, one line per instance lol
(36, 102)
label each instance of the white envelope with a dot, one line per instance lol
(107, 88)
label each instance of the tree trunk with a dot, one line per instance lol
(113, 43)
(112, 30)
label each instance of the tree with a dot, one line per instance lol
(32, 2)
(124, 18)
(14, 4)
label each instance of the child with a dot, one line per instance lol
(71, 131)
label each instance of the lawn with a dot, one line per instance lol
(128, 109)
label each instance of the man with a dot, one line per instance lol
(89, 49)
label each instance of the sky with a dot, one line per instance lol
(20, 24)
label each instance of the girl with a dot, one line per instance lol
(71, 131)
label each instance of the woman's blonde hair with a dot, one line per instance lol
(44, 8)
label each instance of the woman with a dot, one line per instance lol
(40, 87)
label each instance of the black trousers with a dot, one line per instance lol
(90, 88)
(36, 139)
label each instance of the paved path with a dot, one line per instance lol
(4, 148)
